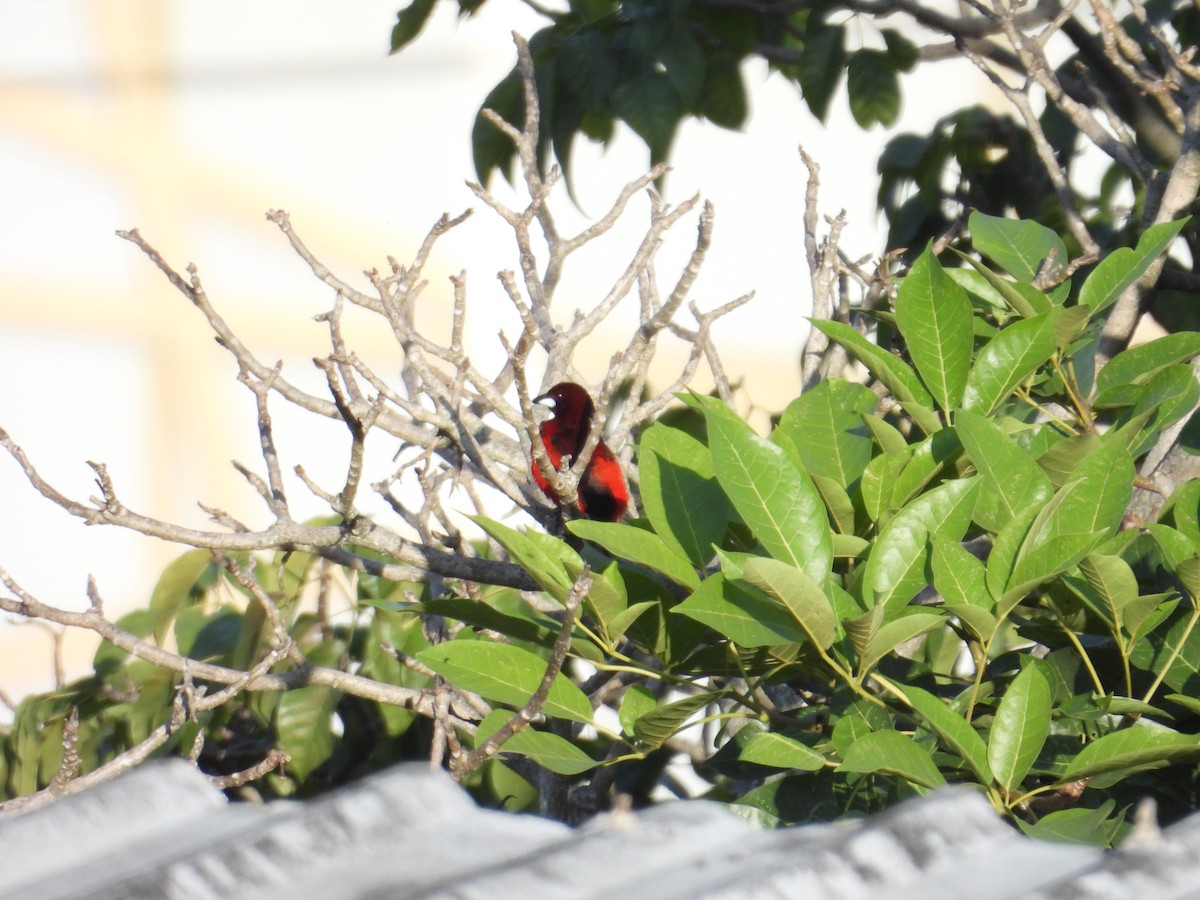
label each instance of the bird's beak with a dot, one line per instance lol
(545, 400)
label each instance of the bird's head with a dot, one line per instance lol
(570, 402)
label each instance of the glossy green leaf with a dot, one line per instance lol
(1094, 500)
(896, 572)
(655, 727)
(827, 428)
(638, 701)
(801, 595)
(1010, 474)
(747, 618)
(1019, 245)
(537, 554)
(840, 507)
(1138, 365)
(548, 750)
(1026, 301)
(926, 460)
(955, 732)
(774, 496)
(304, 727)
(780, 752)
(1020, 727)
(174, 586)
(878, 485)
(1009, 359)
(505, 673)
(1045, 562)
(892, 753)
(1096, 827)
(900, 380)
(1121, 268)
(1113, 583)
(638, 545)
(935, 318)
(680, 493)
(893, 634)
(958, 574)
(1131, 750)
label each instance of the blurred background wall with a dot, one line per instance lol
(188, 121)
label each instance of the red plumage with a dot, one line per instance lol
(603, 493)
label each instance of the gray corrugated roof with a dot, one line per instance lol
(164, 831)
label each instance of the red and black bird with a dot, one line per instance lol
(603, 493)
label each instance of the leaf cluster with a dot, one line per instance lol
(880, 597)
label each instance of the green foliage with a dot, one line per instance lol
(653, 65)
(870, 602)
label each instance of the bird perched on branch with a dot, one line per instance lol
(603, 493)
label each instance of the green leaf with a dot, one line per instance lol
(532, 627)
(1167, 397)
(893, 634)
(955, 732)
(1131, 750)
(409, 22)
(892, 753)
(1023, 299)
(896, 376)
(640, 546)
(827, 428)
(801, 595)
(490, 147)
(821, 65)
(1009, 359)
(1114, 585)
(649, 105)
(505, 673)
(958, 575)
(638, 701)
(878, 484)
(174, 587)
(1121, 268)
(1094, 827)
(773, 495)
(780, 752)
(724, 100)
(683, 60)
(538, 554)
(1020, 727)
(304, 727)
(587, 67)
(1139, 364)
(1094, 500)
(1010, 474)
(1018, 245)
(680, 493)
(896, 572)
(902, 52)
(1047, 561)
(654, 728)
(841, 511)
(935, 318)
(926, 461)
(873, 88)
(549, 750)
(747, 618)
